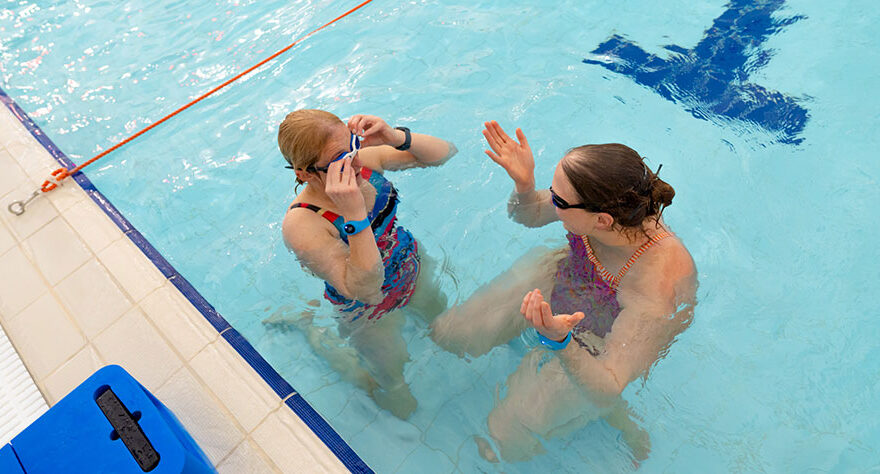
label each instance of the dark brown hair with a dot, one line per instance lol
(615, 179)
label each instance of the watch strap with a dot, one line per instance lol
(407, 141)
(354, 227)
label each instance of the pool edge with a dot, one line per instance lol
(288, 396)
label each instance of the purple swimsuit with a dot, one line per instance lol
(580, 287)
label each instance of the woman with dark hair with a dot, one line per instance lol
(618, 294)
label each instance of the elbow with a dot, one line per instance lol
(520, 219)
(450, 152)
(614, 390)
(373, 297)
(369, 296)
(365, 287)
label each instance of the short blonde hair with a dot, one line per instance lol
(303, 135)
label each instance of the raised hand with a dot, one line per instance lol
(341, 186)
(515, 158)
(374, 131)
(538, 313)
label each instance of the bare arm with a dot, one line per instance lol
(380, 140)
(531, 208)
(355, 270)
(656, 308)
(637, 340)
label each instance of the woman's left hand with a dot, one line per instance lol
(538, 313)
(374, 131)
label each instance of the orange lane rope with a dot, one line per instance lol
(61, 174)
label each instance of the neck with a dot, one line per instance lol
(315, 194)
(627, 242)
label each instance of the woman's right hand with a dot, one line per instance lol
(515, 158)
(342, 187)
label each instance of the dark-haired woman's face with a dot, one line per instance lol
(577, 221)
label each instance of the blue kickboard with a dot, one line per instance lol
(76, 436)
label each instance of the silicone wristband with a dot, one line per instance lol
(555, 345)
(407, 140)
(353, 227)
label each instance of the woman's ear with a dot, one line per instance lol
(604, 221)
(302, 175)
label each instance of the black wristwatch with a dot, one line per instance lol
(407, 141)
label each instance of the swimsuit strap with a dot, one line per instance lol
(614, 280)
(333, 217)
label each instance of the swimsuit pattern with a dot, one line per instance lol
(398, 248)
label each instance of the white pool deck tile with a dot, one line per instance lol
(21, 283)
(246, 458)
(136, 345)
(219, 362)
(44, 336)
(137, 275)
(90, 222)
(167, 308)
(76, 294)
(302, 456)
(56, 250)
(70, 374)
(92, 297)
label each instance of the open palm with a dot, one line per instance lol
(515, 158)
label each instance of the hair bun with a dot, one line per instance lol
(661, 192)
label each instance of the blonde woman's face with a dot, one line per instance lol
(339, 145)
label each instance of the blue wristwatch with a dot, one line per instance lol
(555, 345)
(353, 227)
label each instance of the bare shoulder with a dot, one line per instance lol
(674, 260)
(303, 230)
(666, 274)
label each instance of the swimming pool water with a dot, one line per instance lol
(771, 158)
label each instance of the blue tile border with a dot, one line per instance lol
(299, 405)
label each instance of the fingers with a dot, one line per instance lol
(365, 125)
(525, 303)
(354, 123)
(574, 319)
(357, 123)
(494, 131)
(334, 171)
(494, 157)
(492, 140)
(522, 139)
(531, 310)
(499, 132)
(546, 314)
(534, 309)
(348, 175)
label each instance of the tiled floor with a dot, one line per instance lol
(76, 294)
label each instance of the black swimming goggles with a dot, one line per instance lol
(563, 204)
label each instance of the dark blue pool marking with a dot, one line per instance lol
(713, 77)
(279, 385)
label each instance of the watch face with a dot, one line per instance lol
(348, 228)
